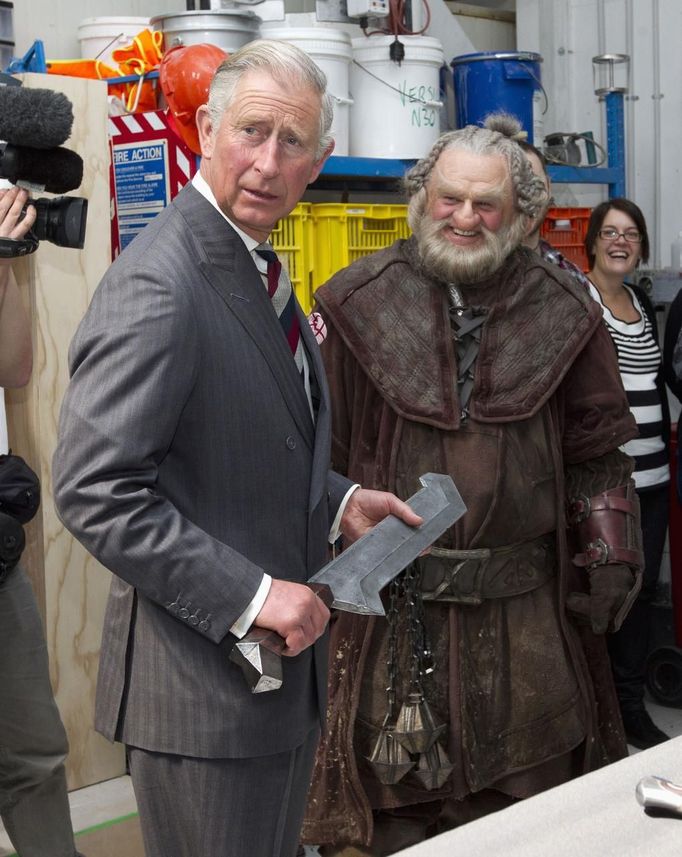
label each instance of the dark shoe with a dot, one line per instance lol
(641, 731)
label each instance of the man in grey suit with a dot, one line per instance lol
(193, 462)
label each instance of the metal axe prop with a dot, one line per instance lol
(353, 580)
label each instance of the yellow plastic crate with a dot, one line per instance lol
(292, 240)
(345, 232)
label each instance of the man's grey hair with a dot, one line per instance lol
(498, 137)
(287, 64)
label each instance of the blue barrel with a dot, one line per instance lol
(492, 81)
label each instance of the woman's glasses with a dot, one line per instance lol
(611, 234)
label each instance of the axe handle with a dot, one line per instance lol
(271, 640)
(324, 593)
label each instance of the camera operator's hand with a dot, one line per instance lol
(12, 224)
(16, 358)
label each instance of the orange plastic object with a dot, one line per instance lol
(185, 74)
(142, 55)
(565, 229)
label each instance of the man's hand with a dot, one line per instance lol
(16, 355)
(610, 586)
(12, 224)
(366, 508)
(295, 613)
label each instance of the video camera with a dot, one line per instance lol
(34, 123)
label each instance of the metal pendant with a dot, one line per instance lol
(415, 726)
(389, 760)
(433, 767)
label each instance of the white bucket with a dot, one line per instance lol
(396, 108)
(229, 29)
(331, 50)
(100, 37)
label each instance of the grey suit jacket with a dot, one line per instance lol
(188, 464)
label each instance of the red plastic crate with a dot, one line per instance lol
(565, 229)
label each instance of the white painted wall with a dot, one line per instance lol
(486, 34)
(568, 33)
(56, 22)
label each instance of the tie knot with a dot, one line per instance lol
(266, 252)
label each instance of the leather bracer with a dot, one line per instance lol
(607, 532)
(606, 528)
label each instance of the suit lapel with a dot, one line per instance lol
(230, 270)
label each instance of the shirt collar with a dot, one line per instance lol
(200, 184)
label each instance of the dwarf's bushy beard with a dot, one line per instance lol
(452, 264)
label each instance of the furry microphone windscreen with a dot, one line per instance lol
(38, 118)
(56, 170)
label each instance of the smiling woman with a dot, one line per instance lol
(616, 242)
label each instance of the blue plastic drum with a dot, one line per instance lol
(492, 81)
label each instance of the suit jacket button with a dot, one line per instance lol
(291, 442)
(204, 625)
(193, 620)
(183, 613)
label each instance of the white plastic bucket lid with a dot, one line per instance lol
(376, 48)
(319, 41)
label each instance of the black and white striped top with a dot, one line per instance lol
(639, 359)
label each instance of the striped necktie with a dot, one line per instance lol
(283, 301)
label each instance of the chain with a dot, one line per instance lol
(421, 656)
(406, 589)
(422, 641)
(392, 616)
(414, 631)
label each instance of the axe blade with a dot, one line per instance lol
(357, 576)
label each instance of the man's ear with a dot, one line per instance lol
(205, 129)
(317, 166)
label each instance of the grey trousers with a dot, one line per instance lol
(33, 800)
(193, 807)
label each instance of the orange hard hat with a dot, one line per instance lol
(185, 73)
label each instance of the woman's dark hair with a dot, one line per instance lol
(599, 215)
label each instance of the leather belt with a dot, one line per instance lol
(472, 576)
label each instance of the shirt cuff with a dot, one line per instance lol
(335, 531)
(246, 620)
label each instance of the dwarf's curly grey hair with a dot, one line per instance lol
(286, 63)
(498, 137)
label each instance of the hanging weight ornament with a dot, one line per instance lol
(389, 760)
(433, 767)
(416, 728)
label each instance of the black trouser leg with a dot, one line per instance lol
(629, 647)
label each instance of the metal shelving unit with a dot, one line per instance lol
(348, 173)
(614, 175)
(384, 174)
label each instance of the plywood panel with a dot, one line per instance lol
(58, 284)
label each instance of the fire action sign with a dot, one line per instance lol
(150, 164)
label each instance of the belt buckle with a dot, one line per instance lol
(474, 596)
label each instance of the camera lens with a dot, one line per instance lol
(61, 220)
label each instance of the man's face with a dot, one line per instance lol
(465, 231)
(261, 157)
(469, 193)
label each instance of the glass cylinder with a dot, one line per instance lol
(610, 73)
